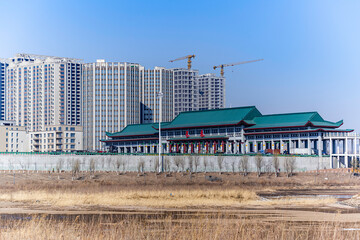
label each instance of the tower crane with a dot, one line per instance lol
(188, 57)
(233, 64)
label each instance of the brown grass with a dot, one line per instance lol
(172, 228)
(296, 201)
(153, 198)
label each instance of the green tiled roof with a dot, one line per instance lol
(226, 116)
(199, 138)
(332, 129)
(137, 129)
(291, 120)
(230, 116)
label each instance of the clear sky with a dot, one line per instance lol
(311, 47)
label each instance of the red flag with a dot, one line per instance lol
(187, 134)
(202, 133)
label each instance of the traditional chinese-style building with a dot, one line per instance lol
(241, 130)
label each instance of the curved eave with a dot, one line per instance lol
(129, 140)
(337, 124)
(197, 139)
(274, 127)
(137, 135)
(300, 131)
(201, 126)
(307, 124)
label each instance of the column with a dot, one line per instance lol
(346, 153)
(242, 146)
(263, 145)
(309, 146)
(330, 153)
(355, 147)
(319, 146)
(281, 146)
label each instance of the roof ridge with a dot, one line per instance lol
(276, 114)
(218, 109)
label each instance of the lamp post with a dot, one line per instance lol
(161, 165)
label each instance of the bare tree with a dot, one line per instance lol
(75, 167)
(59, 164)
(244, 164)
(259, 162)
(205, 163)
(167, 164)
(123, 164)
(276, 164)
(233, 166)
(220, 162)
(92, 165)
(182, 163)
(108, 161)
(68, 163)
(141, 166)
(118, 163)
(10, 163)
(196, 162)
(102, 164)
(190, 161)
(289, 165)
(156, 165)
(268, 165)
(177, 163)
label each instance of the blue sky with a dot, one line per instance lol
(311, 48)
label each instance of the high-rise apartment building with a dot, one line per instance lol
(185, 90)
(3, 66)
(211, 91)
(42, 91)
(152, 81)
(111, 99)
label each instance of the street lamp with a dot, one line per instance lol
(161, 166)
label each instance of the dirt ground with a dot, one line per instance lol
(311, 186)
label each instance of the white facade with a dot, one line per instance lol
(3, 66)
(111, 94)
(152, 82)
(13, 138)
(57, 138)
(211, 91)
(42, 91)
(185, 90)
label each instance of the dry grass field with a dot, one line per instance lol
(107, 205)
(205, 227)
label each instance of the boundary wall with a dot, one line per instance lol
(102, 162)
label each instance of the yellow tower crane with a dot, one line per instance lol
(233, 64)
(188, 57)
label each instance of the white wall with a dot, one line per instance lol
(108, 162)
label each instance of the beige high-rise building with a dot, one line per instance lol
(211, 91)
(13, 138)
(57, 138)
(152, 82)
(111, 99)
(43, 91)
